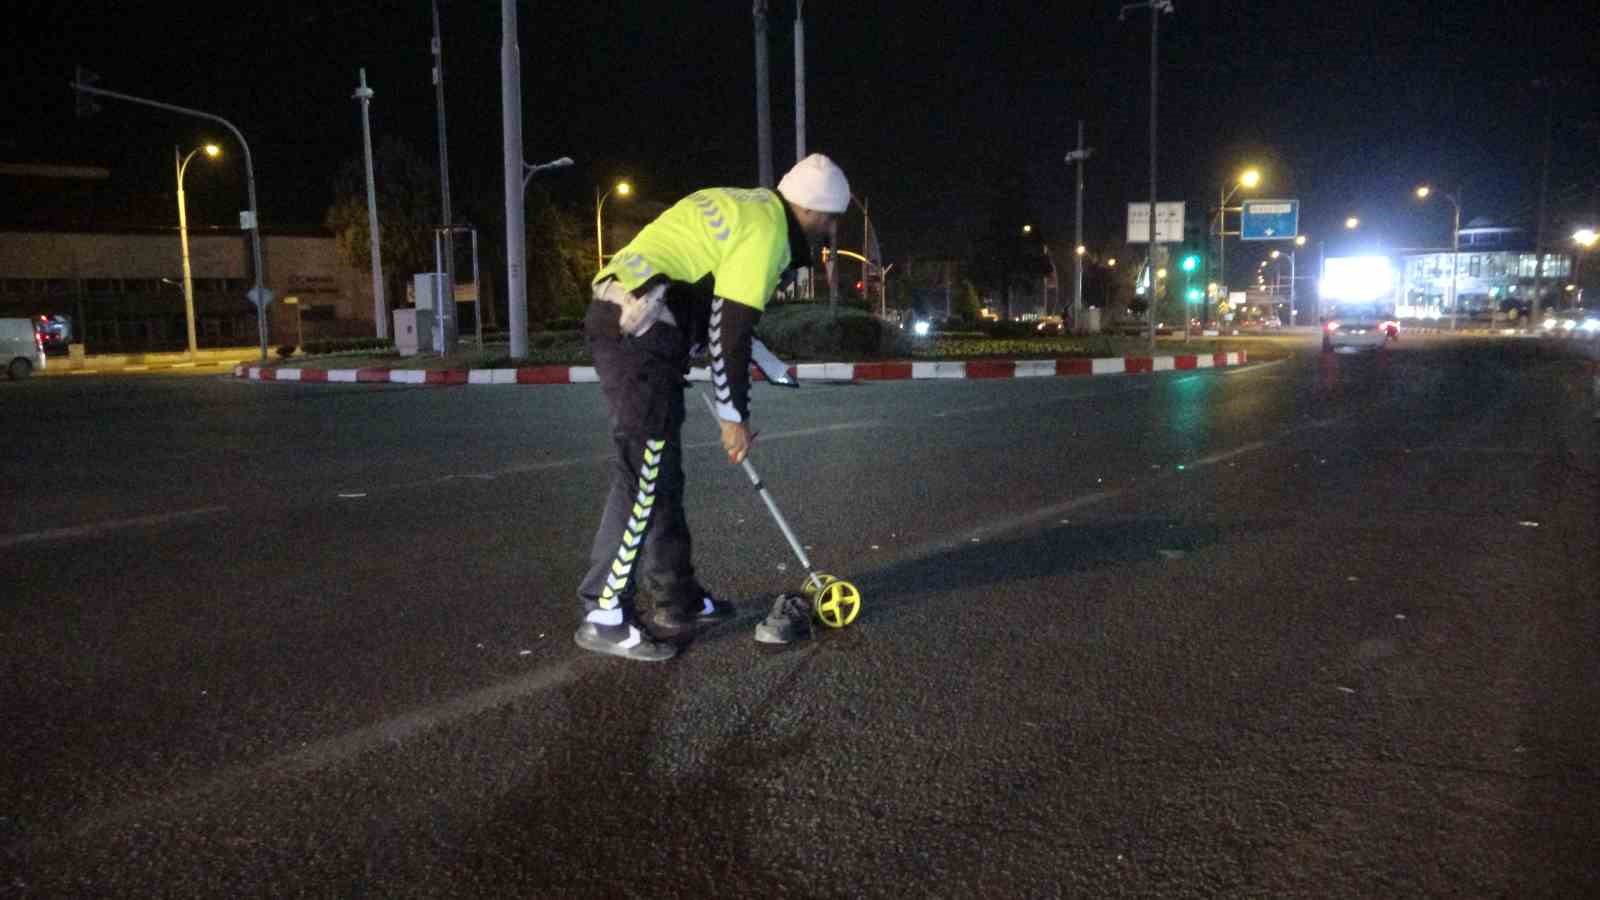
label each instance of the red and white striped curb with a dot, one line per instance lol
(884, 371)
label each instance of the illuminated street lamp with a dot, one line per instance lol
(1423, 192)
(1351, 223)
(181, 164)
(1027, 229)
(1247, 179)
(622, 189)
(1585, 238)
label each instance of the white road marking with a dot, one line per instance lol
(1255, 367)
(98, 528)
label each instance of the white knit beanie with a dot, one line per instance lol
(816, 183)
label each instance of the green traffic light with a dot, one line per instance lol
(1194, 295)
(1190, 263)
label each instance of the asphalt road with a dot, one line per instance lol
(1324, 627)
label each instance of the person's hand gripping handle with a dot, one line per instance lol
(737, 439)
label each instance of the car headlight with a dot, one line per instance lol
(921, 328)
(1591, 325)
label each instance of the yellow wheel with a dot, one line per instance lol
(815, 584)
(837, 604)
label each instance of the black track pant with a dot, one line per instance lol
(643, 536)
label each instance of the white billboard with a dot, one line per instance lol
(1169, 223)
(1357, 279)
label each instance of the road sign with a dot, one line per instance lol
(1169, 223)
(260, 296)
(1270, 220)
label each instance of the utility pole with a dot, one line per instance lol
(800, 116)
(763, 100)
(380, 307)
(1079, 156)
(445, 300)
(1544, 190)
(799, 81)
(515, 179)
(1156, 7)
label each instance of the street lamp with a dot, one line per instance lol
(181, 164)
(1423, 192)
(1247, 179)
(623, 189)
(1585, 238)
(1351, 223)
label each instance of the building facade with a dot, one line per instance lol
(1495, 272)
(123, 289)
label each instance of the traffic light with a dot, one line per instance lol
(1194, 295)
(1190, 262)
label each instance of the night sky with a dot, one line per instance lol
(939, 113)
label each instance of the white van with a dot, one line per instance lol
(21, 350)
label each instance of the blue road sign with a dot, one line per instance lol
(1270, 220)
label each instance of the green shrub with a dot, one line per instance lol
(1008, 330)
(345, 345)
(564, 323)
(812, 330)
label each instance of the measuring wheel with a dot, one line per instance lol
(837, 603)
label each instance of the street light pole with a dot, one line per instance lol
(1079, 156)
(513, 167)
(182, 164)
(622, 188)
(261, 297)
(380, 306)
(1455, 261)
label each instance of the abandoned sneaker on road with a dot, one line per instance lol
(789, 621)
(626, 640)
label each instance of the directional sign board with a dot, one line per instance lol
(1270, 220)
(1169, 223)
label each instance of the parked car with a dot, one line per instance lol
(55, 333)
(21, 348)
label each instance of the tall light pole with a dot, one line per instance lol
(1249, 178)
(1299, 241)
(799, 81)
(1156, 7)
(182, 164)
(1455, 246)
(622, 188)
(514, 169)
(1079, 156)
(445, 334)
(763, 97)
(380, 306)
(248, 220)
(1585, 238)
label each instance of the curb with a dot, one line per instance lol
(819, 372)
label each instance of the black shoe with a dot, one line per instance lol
(673, 619)
(625, 640)
(789, 621)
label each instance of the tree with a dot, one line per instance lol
(1005, 257)
(405, 186)
(560, 259)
